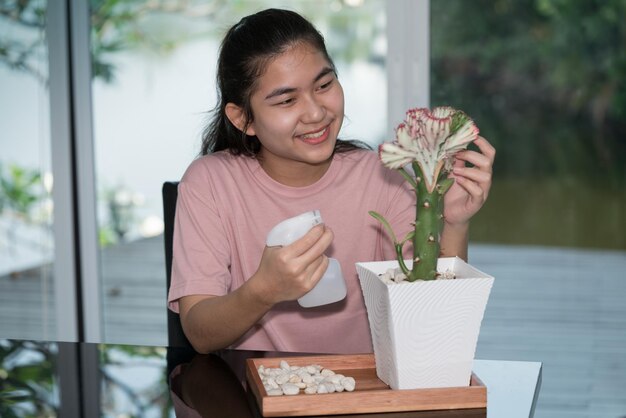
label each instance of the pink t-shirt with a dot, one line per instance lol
(226, 207)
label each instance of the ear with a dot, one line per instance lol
(237, 117)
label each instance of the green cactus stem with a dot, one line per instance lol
(428, 227)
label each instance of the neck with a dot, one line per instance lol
(295, 173)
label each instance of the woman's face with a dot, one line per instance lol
(298, 109)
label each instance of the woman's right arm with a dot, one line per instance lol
(285, 273)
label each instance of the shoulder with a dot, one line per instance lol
(213, 165)
(214, 175)
(209, 177)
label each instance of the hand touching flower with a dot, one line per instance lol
(472, 183)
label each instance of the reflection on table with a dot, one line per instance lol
(83, 380)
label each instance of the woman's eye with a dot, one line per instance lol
(286, 101)
(325, 85)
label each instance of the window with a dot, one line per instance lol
(545, 82)
(27, 290)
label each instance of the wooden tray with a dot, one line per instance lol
(371, 394)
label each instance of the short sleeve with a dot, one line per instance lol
(201, 254)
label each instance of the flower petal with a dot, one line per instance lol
(461, 138)
(394, 156)
(404, 138)
(443, 112)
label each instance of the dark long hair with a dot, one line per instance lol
(244, 53)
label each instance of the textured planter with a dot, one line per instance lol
(424, 333)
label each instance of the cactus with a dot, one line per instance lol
(428, 141)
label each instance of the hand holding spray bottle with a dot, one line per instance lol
(331, 287)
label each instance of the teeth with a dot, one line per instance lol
(314, 135)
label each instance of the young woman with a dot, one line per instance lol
(271, 152)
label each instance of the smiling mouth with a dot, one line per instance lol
(316, 137)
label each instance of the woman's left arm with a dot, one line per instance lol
(466, 196)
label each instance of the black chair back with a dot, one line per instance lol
(175, 335)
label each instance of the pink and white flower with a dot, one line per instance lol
(431, 139)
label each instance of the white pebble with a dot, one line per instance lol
(271, 382)
(281, 379)
(290, 389)
(310, 390)
(327, 372)
(399, 278)
(348, 383)
(284, 365)
(275, 392)
(335, 379)
(312, 369)
(302, 373)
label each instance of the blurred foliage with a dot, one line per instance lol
(20, 49)
(109, 352)
(546, 82)
(106, 236)
(156, 27)
(544, 79)
(552, 212)
(19, 190)
(29, 385)
(138, 402)
(159, 26)
(351, 32)
(27, 379)
(120, 207)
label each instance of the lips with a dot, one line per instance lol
(314, 138)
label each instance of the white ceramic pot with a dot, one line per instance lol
(424, 333)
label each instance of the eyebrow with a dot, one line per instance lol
(286, 90)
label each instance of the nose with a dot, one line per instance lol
(314, 110)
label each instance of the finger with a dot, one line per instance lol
(476, 192)
(302, 245)
(484, 158)
(474, 174)
(458, 162)
(316, 270)
(485, 147)
(317, 249)
(307, 255)
(475, 158)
